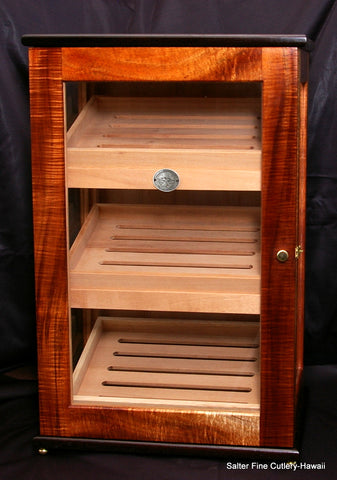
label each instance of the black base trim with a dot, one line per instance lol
(44, 444)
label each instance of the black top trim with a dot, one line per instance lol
(122, 40)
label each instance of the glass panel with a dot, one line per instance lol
(164, 282)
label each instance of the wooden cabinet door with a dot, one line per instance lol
(280, 301)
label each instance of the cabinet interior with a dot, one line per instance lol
(164, 288)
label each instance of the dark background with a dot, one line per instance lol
(18, 402)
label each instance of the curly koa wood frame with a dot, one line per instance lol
(279, 65)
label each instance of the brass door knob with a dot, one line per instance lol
(282, 256)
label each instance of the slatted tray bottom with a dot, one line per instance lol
(201, 363)
(167, 258)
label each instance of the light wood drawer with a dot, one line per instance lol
(212, 143)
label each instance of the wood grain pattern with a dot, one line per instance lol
(279, 231)
(161, 64)
(169, 425)
(50, 241)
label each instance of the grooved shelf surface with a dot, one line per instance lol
(174, 362)
(212, 143)
(167, 258)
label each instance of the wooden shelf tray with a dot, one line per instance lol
(212, 143)
(177, 363)
(167, 258)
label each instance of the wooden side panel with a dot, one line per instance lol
(302, 175)
(162, 64)
(280, 146)
(50, 236)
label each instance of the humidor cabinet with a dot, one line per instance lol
(169, 213)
